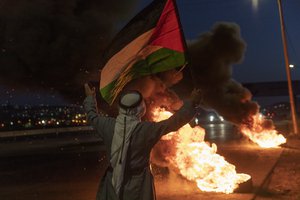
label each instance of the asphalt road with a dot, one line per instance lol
(69, 168)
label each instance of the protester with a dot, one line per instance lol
(128, 142)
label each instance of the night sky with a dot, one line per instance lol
(48, 49)
(260, 28)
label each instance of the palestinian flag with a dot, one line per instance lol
(150, 43)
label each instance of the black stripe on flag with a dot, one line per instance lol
(141, 23)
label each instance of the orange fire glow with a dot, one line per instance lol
(197, 161)
(264, 137)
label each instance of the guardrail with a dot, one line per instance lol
(36, 132)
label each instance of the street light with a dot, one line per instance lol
(287, 67)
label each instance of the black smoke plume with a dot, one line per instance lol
(212, 57)
(56, 44)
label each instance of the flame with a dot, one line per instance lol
(264, 137)
(197, 161)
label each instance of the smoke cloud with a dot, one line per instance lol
(212, 57)
(56, 44)
(156, 89)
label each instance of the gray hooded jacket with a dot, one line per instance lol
(137, 180)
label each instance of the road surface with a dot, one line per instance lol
(69, 168)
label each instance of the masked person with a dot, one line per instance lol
(128, 142)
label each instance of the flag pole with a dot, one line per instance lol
(288, 72)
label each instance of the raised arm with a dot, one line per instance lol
(90, 107)
(176, 121)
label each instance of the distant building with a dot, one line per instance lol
(14, 117)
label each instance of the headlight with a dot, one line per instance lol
(221, 118)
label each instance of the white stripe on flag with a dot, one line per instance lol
(124, 58)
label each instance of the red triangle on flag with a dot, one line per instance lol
(167, 32)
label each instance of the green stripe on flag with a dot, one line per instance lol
(161, 60)
(107, 91)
